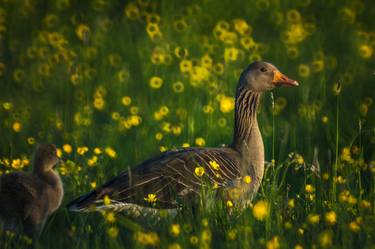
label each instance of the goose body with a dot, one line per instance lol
(27, 199)
(176, 176)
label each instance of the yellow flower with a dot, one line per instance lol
(82, 31)
(299, 159)
(354, 226)
(153, 31)
(365, 51)
(273, 243)
(123, 75)
(232, 234)
(99, 103)
(110, 152)
(110, 217)
(346, 155)
(92, 161)
(324, 119)
(151, 198)
(7, 106)
(330, 217)
(112, 232)
(229, 204)
(181, 52)
(17, 164)
(175, 229)
(106, 200)
(288, 225)
(206, 236)
(186, 66)
(247, 179)
(295, 34)
(163, 148)
(159, 136)
(194, 240)
(291, 203)
(309, 188)
(365, 204)
(126, 100)
(292, 52)
(132, 11)
(226, 104)
(336, 88)
(67, 148)
(185, 145)
(200, 141)
(115, 115)
(231, 54)
(93, 184)
(214, 165)
(174, 246)
(206, 61)
(293, 16)
(317, 65)
(298, 247)
(82, 150)
(17, 126)
(260, 210)
(176, 130)
(325, 239)
(198, 74)
(241, 26)
(348, 15)
(219, 68)
(74, 78)
(25, 161)
(216, 185)
(178, 87)
(150, 239)
(180, 25)
(59, 152)
(205, 222)
(208, 109)
(135, 120)
(18, 75)
(199, 171)
(304, 70)
(313, 218)
(97, 151)
(156, 82)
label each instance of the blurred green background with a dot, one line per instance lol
(112, 83)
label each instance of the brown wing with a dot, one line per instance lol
(16, 190)
(169, 176)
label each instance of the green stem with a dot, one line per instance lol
(273, 129)
(337, 150)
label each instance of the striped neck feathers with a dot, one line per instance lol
(247, 102)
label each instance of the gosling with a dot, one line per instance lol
(27, 199)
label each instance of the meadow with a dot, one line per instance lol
(112, 83)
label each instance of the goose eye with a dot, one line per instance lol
(263, 69)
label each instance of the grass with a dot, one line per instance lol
(113, 83)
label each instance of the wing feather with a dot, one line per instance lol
(169, 176)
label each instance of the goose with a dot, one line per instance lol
(27, 199)
(169, 179)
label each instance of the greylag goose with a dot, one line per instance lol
(28, 198)
(165, 181)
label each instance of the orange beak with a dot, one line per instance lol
(280, 79)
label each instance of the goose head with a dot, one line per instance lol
(46, 158)
(261, 76)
